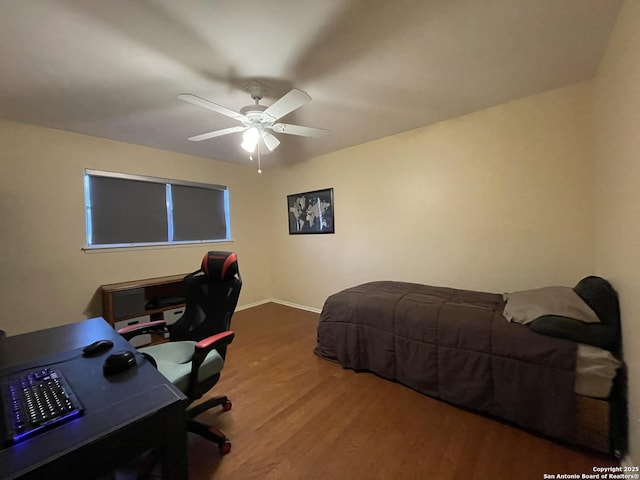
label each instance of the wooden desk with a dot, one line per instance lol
(124, 415)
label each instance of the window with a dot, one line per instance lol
(132, 210)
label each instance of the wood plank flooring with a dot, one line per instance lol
(297, 416)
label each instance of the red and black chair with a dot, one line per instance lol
(194, 356)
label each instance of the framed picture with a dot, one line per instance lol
(311, 212)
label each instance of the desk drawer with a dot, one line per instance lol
(140, 340)
(171, 316)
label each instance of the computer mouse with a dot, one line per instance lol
(97, 347)
(119, 362)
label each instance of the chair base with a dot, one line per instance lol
(210, 433)
(207, 431)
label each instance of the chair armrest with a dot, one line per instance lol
(216, 341)
(158, 326)
(202, 349)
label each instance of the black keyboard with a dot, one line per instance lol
(34, 401)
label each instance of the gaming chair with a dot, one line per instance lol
(194, 356)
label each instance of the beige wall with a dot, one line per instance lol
(497, 200)
(46, 279)
(617, 120)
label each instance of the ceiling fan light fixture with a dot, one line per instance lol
(250, 139)
(257, 119)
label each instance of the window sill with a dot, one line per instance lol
(148, 246)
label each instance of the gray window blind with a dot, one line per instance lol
(191, 219)
(129, 209)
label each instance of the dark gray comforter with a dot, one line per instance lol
(454, 345)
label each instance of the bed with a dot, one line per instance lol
(525, 357)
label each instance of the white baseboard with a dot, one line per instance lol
(295, 305)
(280, 302)
(251, 305)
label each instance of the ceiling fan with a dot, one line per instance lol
(258, 119)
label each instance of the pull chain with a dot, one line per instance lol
(259, 158)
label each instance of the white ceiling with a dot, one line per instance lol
(374, 68)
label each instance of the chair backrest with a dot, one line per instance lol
(211, 295)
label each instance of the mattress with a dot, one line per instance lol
(595, 370)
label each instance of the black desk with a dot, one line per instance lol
(124, 415)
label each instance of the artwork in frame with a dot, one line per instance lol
(311, 212)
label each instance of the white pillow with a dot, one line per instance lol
(527, 305)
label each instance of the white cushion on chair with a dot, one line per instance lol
(174, 362)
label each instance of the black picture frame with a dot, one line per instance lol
(311, 212)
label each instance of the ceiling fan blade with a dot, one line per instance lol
(300, 130)
(216, 133)
(289, 102)
(270, 140)
(201, 102)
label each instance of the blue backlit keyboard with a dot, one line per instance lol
(34, 401)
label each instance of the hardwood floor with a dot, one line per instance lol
(297, 416)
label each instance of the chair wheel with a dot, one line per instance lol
(226, 406)
(225, 447)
